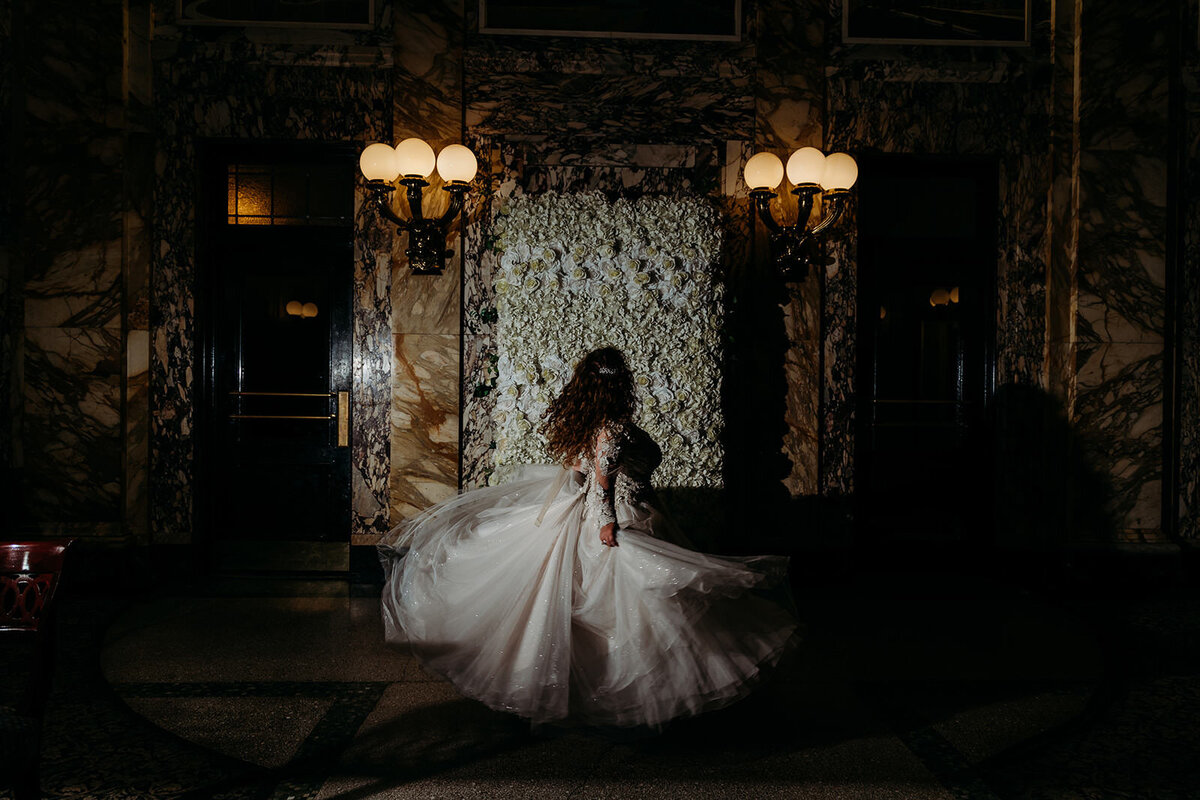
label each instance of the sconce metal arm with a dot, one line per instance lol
(382, 191)
(837, 205)
(762, 201)
(426, 251)
(458, 191)
(414, 187)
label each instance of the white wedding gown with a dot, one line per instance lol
(545, 621)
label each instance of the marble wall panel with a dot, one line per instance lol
(1188, 309)
(426, 309)
(839, 343)
(137, 435)
(1021, 270)
(78, 288)
(801, 443)
(477, 442)
(1061, 284)
(253, 85)
(173, 340)
(71, 154)
(1189, 319)
(373, 363)
(137, 244)
(1123, 69)
(764, 395)
(622, 89)
(428, 70)
(1121, 121)
(498, 166)
(789, 74)
(425, 422)
(1121, 269)
(1118, 412)
(10, 321)
(790, 113)
(73, 433)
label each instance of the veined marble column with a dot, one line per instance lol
(790, 101)
(425, 324)
(71, 367)
(1188, 344)
(1107, 282)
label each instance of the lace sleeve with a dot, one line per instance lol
(608, 451)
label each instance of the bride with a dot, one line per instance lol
(567, 593)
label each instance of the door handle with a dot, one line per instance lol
(343, 419)
(280, 394)
(279, 416)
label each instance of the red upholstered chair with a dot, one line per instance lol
(30, 573)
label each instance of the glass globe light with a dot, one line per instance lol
(308, 310)
(841, 171)
(456, 163)
(378, 163)
(415, 158)
(806, 165)
(295, 307)
(764, 171)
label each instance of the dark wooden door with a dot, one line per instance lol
(926, 332)
(278, 265)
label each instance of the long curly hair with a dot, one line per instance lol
(599, 393)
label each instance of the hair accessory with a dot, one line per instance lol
(607, 370)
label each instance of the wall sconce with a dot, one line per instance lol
(413, 162)
(794, 247)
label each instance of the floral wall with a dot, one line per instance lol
(576, 272)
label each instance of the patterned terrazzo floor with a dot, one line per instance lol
(907, 687)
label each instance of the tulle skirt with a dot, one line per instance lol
(544, 621)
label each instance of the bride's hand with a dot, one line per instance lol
(608, 534)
